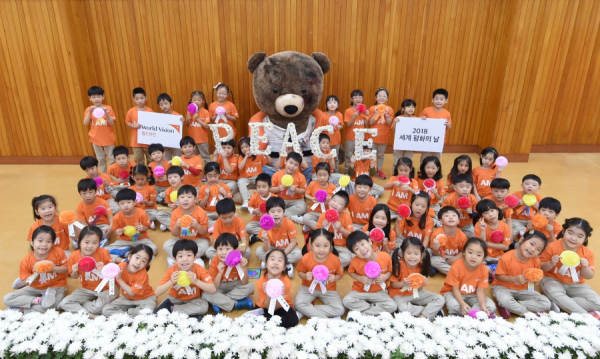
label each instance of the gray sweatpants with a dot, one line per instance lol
(520, 301)
(202, 149)
(21, 298)
(348, 153)
(131, 307)
(345, 255)
(228, 293)
(164, 217)
(253, 228)
(439, 263)
(357, 227)
(295, 207)
(428, 304)
(401, 153)
(104, 153)
(212, 218)
(151, 214)
(468, 230)
(573, 298)
(518, 225)
(380, 148)
(160, 193)
(453, 306)
(232, 184)
(196, 306)
(311, 219)
(243, 183)
(114, 206)
(86, 300)
(120, 243)
(332, 303)
(293, 257)
(201, 242)
(370, 303)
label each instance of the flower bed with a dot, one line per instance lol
(67, 335)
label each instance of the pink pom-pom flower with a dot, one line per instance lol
(220, 110)
(361, 108)
(267, 222)
(404, 211)
(274, 288)
(377, 235)
(192, 108)
(98, 112)
(320, 273)
(511, 201)
(464, 202)
(501, 161)
(110, 271)
(497, 236)
(334, 121)
(139, 197)
(99, 181)
(321, 196)
(404, 180)
(159, 171)
(87, 264)
(100, 211)
(331, 215)
(429, 183)
(233, 258)
(372, 269)
(262, 207)
(477, 314)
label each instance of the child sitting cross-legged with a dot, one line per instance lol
(228, 222)
(174, 177)
(361, 203)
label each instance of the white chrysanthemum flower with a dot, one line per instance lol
(565, 355)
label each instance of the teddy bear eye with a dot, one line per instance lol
(303, 90)
(275, 90)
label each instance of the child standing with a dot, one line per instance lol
(48, 289)
(45, 212)
(191, 164)
(86, 209)
(335, 139)
(341, 228)
(419, 224)
(491, 221)
(102, 134)
(228, 162)
(407, 109)
(140, 151)
(462, 166)
(157, 151)
(466, 280)
(431, 168)
(90, 165)
(401, 192)
(165, 102)
(212, 192)
(231, 113)
(383, 126)
(174, 177)
(136, 292)
(293, 196)
(549, 208)
(353, 120)
(364, 167)
(325, 158)
(122, 164)
(322, 252)
(444, 256)
(198, 125)
(463, 186)
(361, 203)
(381, 218)
(229, 222)
(522, 214)
(144, 185)
(437, 111)
(321, 182)
(483, 175)
(262, 195)
(249, 167)
(86, 298)
(411, 257)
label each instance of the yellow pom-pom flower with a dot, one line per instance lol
(287, 180)
(570, 258)
(529, 200)
(130, 231)
(184, 280)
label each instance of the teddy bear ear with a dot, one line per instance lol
(255, 60)
(322, 60)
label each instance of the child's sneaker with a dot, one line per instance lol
(49, 298)
(216, 310)
(245, 303)
(18, 284)
(503, 312)
(197, 317)
(244, 206)
(297, 219)
(259, 311)
(440, 314)
(170, 262)
(16, 309)
(253, 239)
(152, 225)
(306, 229)
(595, 314)
(263, 265)
(120, 252)
(103, 242)
(299, 315)
(75, 245)
(554, 308)
(380, 174)
(166, 304)
(290, 270)
(433, 272)
(352, 316)
(163, 228)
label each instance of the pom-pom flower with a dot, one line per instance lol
(404, 180)
(287, 180)
(139, 197)
(417, 280)
(497, 236)
(381, 108)
(372, 269)
(529, 200)
(67, 217)
(262, 207)
(274, 288)
(87, 264)
(331, 215)
(442, 239)
(131, 232)
(321, 196)
(477, 314)
(376, 234)
(173, 196)
(123, 175)
(186, 222)
(334, 121)
(380, 115)
(214, 190)
(512, 201)
(464, 202)
(501, 161)
(192, 108)
(533, 275)
(220, 111)
(361, 108)
(429, 184)
(184, 280)
(109, 273)
(99, 181)
(539, 222)
(43, 267)
(344, 181)
(404, 211)
(98, 113)
(570, 261)
(100, 211)
(159, 171)
(320, 273)
(176, 161)
(267, 222)
(233, 258)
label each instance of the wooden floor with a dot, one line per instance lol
(567, 177)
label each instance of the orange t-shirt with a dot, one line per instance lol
(383, 129)
(509, 265)
(359, 122)
(335, 138)
(495, 253)
(138, 281)
(404, 273)
(179, 292)
(85, 212)
(466, 280)
(299, 181)
(262, 295)
(482, 179)
(338, 238)
(506, 213)
(362, 167)
(255, 202)
(101, 190)
(557, 228)
(253, 167)
(166, 166)
(62, 233)
(237, 228)
(114, 170)
(89, 280)
(101, 132)
(202, 194)
(312, 189)
(53, 280)
(139, 217)
(230, 111)
(199, 215)
(149, 193)
(517, 212)
(188, 177)
(132, 117)
(439, 185)
(168, 192)
(379, 246)
(430, 112)
(357, 265)
(415, 230)
(233, 162)
(213, 269)
(360, 211)
(308, 262)
(282, 236)
(452, 201)
(316, 160)
(454, 245)
(398, 196)
(195, 130)
(555, 249)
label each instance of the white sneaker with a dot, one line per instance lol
(152, 225)
(257, 312)
(170, 262)
(306, 229)
(244, 206)
(290, 270)
(263, 265)
(300, 315)
(200, 262)
(554, 308)
(298, 219)
(163, 228)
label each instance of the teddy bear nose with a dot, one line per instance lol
(291, 109)
(289, 105)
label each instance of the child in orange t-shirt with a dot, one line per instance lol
(45, 211)
(165, 102)
(262, 195)
(437, 111)
(174, 177)
(228, 162)
(409, 258)
(86, 210)
(381, 218)
(321, 182)
(86, 298)
(119, 171)
(364, 167)
(231, 114)
(191, 164)
(382, 121)
(444, 256)
(144, 185)
(46, 290)
(229, 222)
(198, 124)
(157, 152)
(212, 192)
(463, 185)
(341, 228)
(187, 299)
(90, 165)
(407, 109)
(136, 292)
(233, 286)
(282, 236)
(500, 188)
(293, 196)
(249, 167)
(326, 157)
(431, 168)
(418, 224)
(484, 174)
(321, 253)
(361, 204)
(353, 120)
(522, 214)
(463, 166)
(490, 222)
(401, 192)
(368, 295)
(335, 139)
(549, 208)
(102, 134)
(140, 151)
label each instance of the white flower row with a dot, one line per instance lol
(176, 336)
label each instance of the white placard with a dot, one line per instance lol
(159, 128)
(415, 134)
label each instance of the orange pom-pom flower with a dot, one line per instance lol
(442, 239)
(539, 222)
(67, 217)
(533, 275)
(214, 190)
(416, 280)
(185, 221)
(44, 267)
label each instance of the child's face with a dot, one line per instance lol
(88, 196)
(127, 205)
(187, 149)
(245, 149)
(549, 214)
(122, 161)
(227, 218)
(530, 186)
(409, 110)
(262, 188)
(138, 261)
(532, 247)
(366, 152)
(185, 260)
(276, 263)
(174, 179)
(356, 100)
(419, 207)
(89, 244)
(337, 203)
(487, 160)
(323, 177)
(462, 167)
(212, 178)
(450, 219)
(474, 255)
(277, 213)
(227, 151)
(198, 101)
(92, 171)
(140, 100)
(140, 179)
(363, 249)
(46, 210)
(97, 99)
(574, 237)
(321, 247)
(223, 250)
(404, 170)
(222, 94)
(324, 145)
(499, 194)
(463, 188)
(380, 219)
(186, 200)
(439, 101)
(490, 215)
(332, 105)
(431, 169)
(412, 256)
(165, 106)
(291, 166)
(381, 97)
(362, 190)
(157, 156)
(42, 243)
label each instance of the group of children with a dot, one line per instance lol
(465, 228)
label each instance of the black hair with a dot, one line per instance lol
(263, 177)
(87, 162)
(295, 157)
(126, 194)
(273, 202)
(212, 167)
(551, 203)
(475, 240)
(121, 150)
(406, 103)
(440, 92)
(201, 94)
(142, 170)
(156, 147)
(95, 90)
(344, 196)
(532, 177)
(187, 189)
(364, 180)
(37, 201)
(219, 86)
(224, 206)
(381, 207)
(533, 233)
(354, 238)
(163, 96)
(226, 239)
(381, 89)
(184, 245)
(447, 209)
(187, 140)
(356, 92)
(148, 250)
(43, 229)
(324, 136)
(245, 140)
(229, 143)
(483, 206)
(579, 223)
(333, 97)
(487, 150)
(323, 166)
(462, 178)
(90, 231)
(138, 91)
(438, 175)
(423, 219)
(405, 161)
(457, 161)
(316, 233)
(86, 184)
(425, 261)
(175, 170)
(285, 259)
(500, 183)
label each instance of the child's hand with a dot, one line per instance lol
(380, 279)
(162, 178)
(140, 227)
(339, 127)
(465, 308)
(207, 190)
(99, 265)
(188, 117)
(331, 278)
(172, 205)
(521, 202)
(282, 188)
(367, 113)
(75, 267)
(433, 190)
(500, 168)
(119, 275)
(423, 118)
(309, 276)
(337, 225)
(178, 223)
(385, 242)
(137, 125)
(405, 187)
(325, 223)
(244, 263)
(194, 222)
(536, 205)
(447, 123)
(221, 267)
(555, 260)
(469, 210)
(436, 244)
(106, 112)
(183, 164)
(584, 263)
(265, 236)
(482, 225)
(174, 277)
(550, 228)
(397, 183)
(520, 279)
(478, 197)
(192, 276)
(256, 212)
(293, 189)
(365, 280)
(109, 231)
(119, 231)
(222, 191)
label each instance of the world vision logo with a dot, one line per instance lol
(176, 127)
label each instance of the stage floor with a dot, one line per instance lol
(20, 183)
